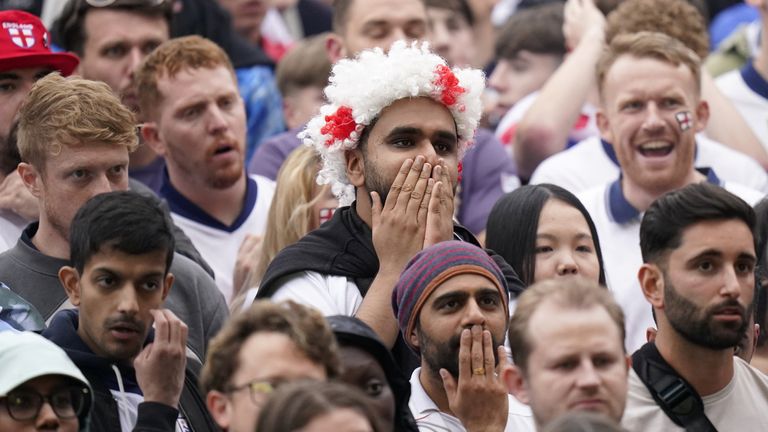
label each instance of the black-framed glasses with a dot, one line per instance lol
(105, 3)
(256, 388)
(66, 402)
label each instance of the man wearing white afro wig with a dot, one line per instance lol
(360, 89)
(391, 139)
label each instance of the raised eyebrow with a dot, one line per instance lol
(184, 107)
(453, 295)
(9, 76)
(488, 291)
(446, 135)
(748, 257)
(376, 23)
(107, 270)
(404, 130)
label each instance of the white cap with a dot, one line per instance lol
(26, 355)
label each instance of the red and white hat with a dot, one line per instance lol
(25, 43)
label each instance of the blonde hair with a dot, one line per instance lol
(654, 45)
(572, 293)
(71, 111)
(170, 58)
(290, 214)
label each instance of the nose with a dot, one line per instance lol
(588, 377)
(134, 57)
(440, 37)
(46, 418)
(217, 123)
(101, 184)
(128, 303)
(397, 34)
(473, 314)
(731, 284)
(566, 265)
(653, 120)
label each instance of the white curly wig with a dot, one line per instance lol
(360, 88)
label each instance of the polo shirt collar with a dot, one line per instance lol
(181, 206)
(754, 80)
(621, 211)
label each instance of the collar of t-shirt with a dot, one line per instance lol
(754, 80)
(621, 211)
(181, 206)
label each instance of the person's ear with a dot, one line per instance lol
(334, 48)
(652, 283)
(70, 279)
(150, 133)
(604, 124)
(32, 179)
(355, 167)
(413, 338)
(514, 379)
(702, 115)
(219, 407)
(167, 284)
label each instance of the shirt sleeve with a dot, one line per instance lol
(331, 295)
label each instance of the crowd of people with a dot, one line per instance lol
(383, 215)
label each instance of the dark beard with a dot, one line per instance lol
(446, 355)
(374, 182)
(698, 326)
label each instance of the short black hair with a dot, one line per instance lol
(661, 229)
(68, 31)
(125, 221)
(761, 294)
(514, 221)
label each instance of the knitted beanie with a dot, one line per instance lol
(434, 265)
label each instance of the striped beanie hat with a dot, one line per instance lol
(434, 265)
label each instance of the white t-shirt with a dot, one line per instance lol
(331, 295)
(749, 93)
(592, 162)
(11, 226)
(618, 227)
(219, 244)
(430, 419)
(742, 405)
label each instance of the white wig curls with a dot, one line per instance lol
(360, 88)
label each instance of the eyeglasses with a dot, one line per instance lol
(67, 402)
(105, 3)
(256, 388)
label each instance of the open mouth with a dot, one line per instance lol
(125, 330)
(656, 149)
(223, 149)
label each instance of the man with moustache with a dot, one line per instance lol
(122, 248)
(452, 307)
(698, 274)
(196, 120)
(391, 138)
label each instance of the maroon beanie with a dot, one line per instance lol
(431, 267)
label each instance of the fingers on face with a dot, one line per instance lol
(397, 185)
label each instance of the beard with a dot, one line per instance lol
(698, 325)
(445, 355)
(374, 182)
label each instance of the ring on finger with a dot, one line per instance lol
(478, 371)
